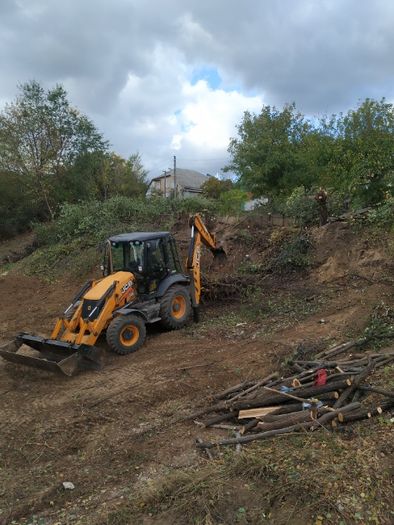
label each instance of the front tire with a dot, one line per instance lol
(126, 334)
(175, 307)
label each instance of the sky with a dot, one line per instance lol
(174, 77)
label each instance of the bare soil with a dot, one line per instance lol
(111, 432)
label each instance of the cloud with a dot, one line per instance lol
(172, 76)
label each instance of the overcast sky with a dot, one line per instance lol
(165, 77)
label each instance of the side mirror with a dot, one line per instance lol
(104, 270)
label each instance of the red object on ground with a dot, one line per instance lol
(321, 377)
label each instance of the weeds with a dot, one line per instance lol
(380, 327)
(308, 476)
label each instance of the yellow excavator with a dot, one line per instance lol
(143, 282)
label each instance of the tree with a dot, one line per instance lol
(213, 187)
(41, 135)
(365, 148)
(265, 154)
(118, 176)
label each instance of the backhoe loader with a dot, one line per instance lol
(143, 282)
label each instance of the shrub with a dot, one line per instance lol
(293, 256)
(99, 219)
(302, 207)
(231, 202)
(383, 214)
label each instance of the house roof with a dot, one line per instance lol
(186, 178)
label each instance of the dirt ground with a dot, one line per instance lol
(108, 432)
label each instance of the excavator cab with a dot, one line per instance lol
(150, 257)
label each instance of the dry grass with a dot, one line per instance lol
(342, 478)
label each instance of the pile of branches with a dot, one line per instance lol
(329, 390)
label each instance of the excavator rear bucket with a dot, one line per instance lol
(219, 255)
(54, 355)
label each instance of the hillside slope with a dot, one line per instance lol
(120, 435)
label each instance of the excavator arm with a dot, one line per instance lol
(199, 235)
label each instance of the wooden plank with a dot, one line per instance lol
(256, 412)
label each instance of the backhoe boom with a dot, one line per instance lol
(199, 235)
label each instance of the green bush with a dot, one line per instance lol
(293, 256)
(383, 214)
(99, 219)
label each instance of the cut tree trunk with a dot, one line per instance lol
(325, 418)
(366, 412)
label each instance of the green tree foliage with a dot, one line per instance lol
(363, 160)
(41, 135)
(17, 205)
(231, 202)
(213, 187)
(121, 177)
(101, 175)
(278, 151)
(266, 153)
(51, 154)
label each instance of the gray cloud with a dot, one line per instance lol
(126, 62)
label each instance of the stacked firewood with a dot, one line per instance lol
(328, 390)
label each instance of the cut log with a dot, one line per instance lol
(376, 390)
(257, 385)
(232, 389)
(366, 413)
(219, 418)
(199, 441)
(339, 349)
(251, 424)
(346, 394)
(290, 419)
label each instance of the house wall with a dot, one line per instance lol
(159, 186)
(167, 188)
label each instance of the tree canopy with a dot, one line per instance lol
(41, 135)
(280, 150)
(50, 153)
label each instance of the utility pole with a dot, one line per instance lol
(165, 183)
(175, 189)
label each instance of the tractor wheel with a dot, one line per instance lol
(175, 307)
(126, 334)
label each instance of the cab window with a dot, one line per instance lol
(155, 256)
(128, 256)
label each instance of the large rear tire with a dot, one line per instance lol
(175, 307)
(126, 334)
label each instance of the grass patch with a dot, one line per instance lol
(297, 479)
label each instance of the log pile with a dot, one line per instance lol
(329, 390)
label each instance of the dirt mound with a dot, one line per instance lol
(340, 252)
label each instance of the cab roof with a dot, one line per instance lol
(138, 236)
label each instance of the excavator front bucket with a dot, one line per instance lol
(53, 355)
